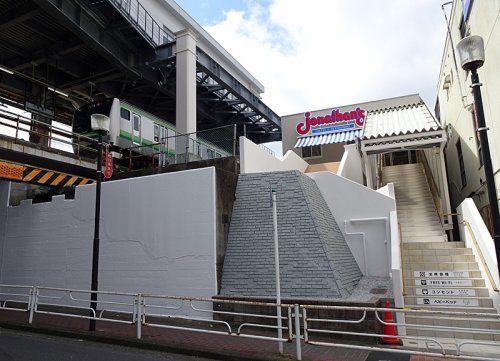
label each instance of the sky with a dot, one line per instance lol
(319, 54)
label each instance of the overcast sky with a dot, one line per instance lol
(323, 53)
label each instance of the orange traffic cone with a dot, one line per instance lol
(390, 329)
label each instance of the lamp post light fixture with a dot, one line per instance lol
(471, 53)
(100, 125)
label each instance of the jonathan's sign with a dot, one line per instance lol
(332, 123)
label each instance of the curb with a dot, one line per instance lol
(142, 344)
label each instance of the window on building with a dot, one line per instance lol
(461, 164)
(478, 139)
(437, 110)
(463, 28)
(124, 113)
(157, 133)
(311, 152)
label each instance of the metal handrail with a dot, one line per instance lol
(48, 132)
(481, 256)
(401, 258)
(154, 32)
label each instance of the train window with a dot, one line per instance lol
(157, 133)
(124, 113)
(198, 149)
(210, 153)
(137, 120)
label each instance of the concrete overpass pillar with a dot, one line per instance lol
(185, 103)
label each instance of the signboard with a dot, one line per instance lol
(334, 122)
(445, 292)
(441, 282)
(108, 169)
(463, 302)
(466, 6)
(452, 274)
(37, 109)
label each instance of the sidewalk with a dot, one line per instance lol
(190, 343)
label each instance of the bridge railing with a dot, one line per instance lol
(45, 135)
(137, 15)
(178, 148)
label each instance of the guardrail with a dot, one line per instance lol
(47, 135)
(154, 32)
(319, 324)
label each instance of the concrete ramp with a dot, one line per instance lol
(315, 259)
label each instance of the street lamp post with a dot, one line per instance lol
(471, 53)
(100, 125)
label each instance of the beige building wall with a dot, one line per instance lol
(333, 152)
(455, 111)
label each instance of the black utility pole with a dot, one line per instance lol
(488, 168)
(95, 248)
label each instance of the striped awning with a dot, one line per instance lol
(328, 138)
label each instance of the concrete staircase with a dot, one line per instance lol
(438, 275)
(416, 211)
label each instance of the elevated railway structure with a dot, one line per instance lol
(57, 55)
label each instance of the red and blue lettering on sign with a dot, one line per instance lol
(332, 123)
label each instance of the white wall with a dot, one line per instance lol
(483, 21)
(351, 165)
(254, 159)
(468, 211)
(157, 236)
(351, 204)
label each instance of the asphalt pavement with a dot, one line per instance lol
(25, 346)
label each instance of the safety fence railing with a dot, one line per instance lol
(137, 15)
(46, 135)
(171, 147)
(312, 325)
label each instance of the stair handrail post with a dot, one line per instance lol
(277, 271)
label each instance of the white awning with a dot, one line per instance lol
(328, 138)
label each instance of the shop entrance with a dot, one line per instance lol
(398, 158)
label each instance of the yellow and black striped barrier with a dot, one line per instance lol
(34, 175)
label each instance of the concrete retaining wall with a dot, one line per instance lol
(158, 235)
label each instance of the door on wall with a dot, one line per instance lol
(398, 158)
(136, 128)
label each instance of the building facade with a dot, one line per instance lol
(455, 102)
(357, 141)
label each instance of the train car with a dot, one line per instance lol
(136, 129)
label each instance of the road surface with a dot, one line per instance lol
(25, 346)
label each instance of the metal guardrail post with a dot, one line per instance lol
(139, 316)
(17, 128)
(33, 305)
(187, 149)
(234, 140)
(298, 346)
(304, 321)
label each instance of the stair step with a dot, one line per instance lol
(438, 252)
(441, 266)
(442, 274)
(422, 233)
(420, 332)
(438, 259)
(444, 302)
(424, 239)
(463, 310)
(432, 291)
(448, 282)
(434, 245)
